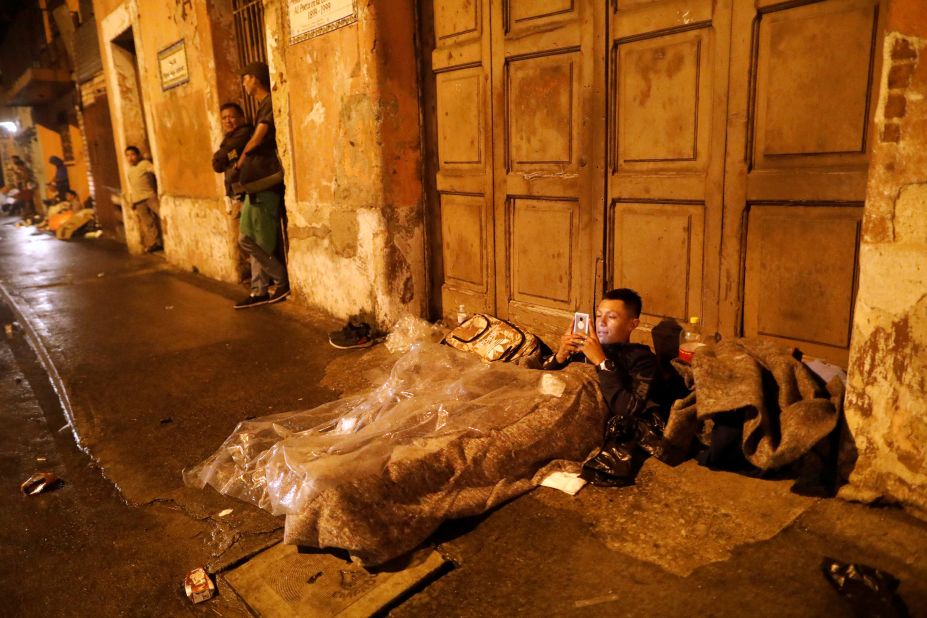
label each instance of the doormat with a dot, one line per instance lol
(283, 581)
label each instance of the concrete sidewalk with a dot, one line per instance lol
(156, 369)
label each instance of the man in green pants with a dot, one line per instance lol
(260, 215)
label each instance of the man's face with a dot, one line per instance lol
(231, 119)
(248, 82)
(613, 322)
(132, 157)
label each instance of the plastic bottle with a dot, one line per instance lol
(461, 314)
(690, 339)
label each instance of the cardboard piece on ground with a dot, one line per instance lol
(283, 582)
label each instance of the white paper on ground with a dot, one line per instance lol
(567, 482)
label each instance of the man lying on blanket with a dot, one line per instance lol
(628, 374)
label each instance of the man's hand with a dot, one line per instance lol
(592, 348)
(570, 344)
(240, 161)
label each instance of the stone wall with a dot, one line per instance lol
(179, 127)
(887, 398)
(347, 109)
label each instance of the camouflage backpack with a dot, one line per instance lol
(494, 340)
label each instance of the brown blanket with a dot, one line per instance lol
(788, 410)
(446, 436)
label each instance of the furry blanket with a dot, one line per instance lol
(788, 410)
(446, 436)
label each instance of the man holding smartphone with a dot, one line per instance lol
(627, 375)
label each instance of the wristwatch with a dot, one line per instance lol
(607, 365)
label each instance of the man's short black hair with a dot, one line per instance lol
(260, 72)
(630, 298)
(134, 149)
(232, 105)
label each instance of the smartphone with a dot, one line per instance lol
(580, 323)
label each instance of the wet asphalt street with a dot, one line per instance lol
(155, 369)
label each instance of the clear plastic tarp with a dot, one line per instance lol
(445, 436)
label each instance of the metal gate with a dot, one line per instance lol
(249, 38)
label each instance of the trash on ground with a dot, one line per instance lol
(167, 420)
(868, 590)
(225, 512)
(100, 275)
(567, 482)
(41, 459)
(198, 585)
(8, 329)
(38, 483)
(410, 330)
(96, 234)
(168, 307)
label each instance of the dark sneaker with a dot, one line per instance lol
(253, 301)
(155, 248)
(353, 335)
(279, 294)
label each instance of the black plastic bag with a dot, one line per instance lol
(869, 591)
(628, 442)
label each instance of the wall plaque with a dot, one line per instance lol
(172, 62)
(311, 18)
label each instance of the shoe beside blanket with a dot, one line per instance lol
(446, 436)
(787, 410)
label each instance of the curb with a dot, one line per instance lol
(26, 319)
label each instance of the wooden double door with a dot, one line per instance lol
(711, 154)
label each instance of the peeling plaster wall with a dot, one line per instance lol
(886, 404)
(347, 111)
(182, 123)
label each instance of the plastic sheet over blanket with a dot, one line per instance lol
(445, 436)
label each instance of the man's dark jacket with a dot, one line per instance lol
(223, 160)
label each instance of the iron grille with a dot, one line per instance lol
(249, 37)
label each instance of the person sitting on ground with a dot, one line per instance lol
(628, 377)
(143, 195)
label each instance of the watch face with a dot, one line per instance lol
(608, 365)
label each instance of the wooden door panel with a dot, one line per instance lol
(659, 249)
(455, 19)
(542, 261)
(661, 100)
(667, 102)
(801, 274)
(523, 12)
(465, 241)
(801, 80)
(542, 100)
(813, 85)
(461, 121)
(463, 178)
(548, 69)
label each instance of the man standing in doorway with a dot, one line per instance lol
(143, 195)
(260, 215)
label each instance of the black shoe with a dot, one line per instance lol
(353, 335)
(154, 248)
(280, 293)
(253, 301)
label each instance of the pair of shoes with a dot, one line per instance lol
(253, 301)
(280, 293)
(355, 334)
(155, 247)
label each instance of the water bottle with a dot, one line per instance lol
(461, 315)
(690, 339)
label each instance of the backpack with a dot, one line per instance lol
(494, 340)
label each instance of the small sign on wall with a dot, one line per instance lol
(172, 62)
(311, 18)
